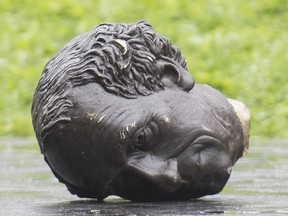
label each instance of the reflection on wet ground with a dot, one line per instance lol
(258, 186)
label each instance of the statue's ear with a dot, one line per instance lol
(172, 73)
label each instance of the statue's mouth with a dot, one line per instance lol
(207, 170)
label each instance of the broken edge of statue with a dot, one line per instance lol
(117, 113)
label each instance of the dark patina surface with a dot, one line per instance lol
(117, 113)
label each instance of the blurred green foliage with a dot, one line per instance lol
(239, 47)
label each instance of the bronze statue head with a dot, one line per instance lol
(117, 113)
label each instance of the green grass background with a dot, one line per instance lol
(239, 47)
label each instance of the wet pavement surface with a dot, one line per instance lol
(258, 186)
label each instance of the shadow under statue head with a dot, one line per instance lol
(116, 113)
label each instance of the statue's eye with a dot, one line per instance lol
(143, 140)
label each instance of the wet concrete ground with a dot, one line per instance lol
(258, 186)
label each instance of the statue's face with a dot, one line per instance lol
(169, 145)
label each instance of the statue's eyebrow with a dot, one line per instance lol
(130, 129)
(127, 131)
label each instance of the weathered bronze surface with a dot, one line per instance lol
(117, 113)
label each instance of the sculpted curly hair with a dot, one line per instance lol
(120, 57)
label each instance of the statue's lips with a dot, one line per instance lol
(197, 143)
(201, 172)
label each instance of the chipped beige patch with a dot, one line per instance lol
(94, 116)
(167, 120)
(206, 129)
(125, 132)
(91, 116)
(101, 118)
(123, 44)
(244, 117)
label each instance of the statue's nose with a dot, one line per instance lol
(244, 117)
(164, 174)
